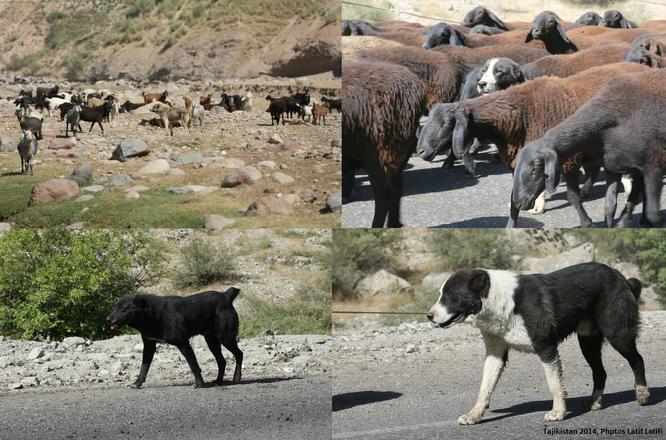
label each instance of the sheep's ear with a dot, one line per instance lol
(563, 34)
(657, 49)
(518, 73)
(552, 171)
(529, 37)
(455, 39)
(498, 23)
(624, 23)
(460, 142)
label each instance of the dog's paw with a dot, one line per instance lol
(199, 384)
(596, 405)
(642, 394)
(553, 415)
(469, 419)
(134, 386)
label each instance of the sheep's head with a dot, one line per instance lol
(441, 34)
(614, 19)
(536, 169)
(589, 18)
(481, 15)
(436, 134)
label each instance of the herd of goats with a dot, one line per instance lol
(97, 107)
(553, 96)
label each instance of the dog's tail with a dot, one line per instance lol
(635, 286)
(233, 292)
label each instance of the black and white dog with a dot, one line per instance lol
(534, 313)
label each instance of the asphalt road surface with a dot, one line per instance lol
(449, 198)
(380, 392)
(266, 409)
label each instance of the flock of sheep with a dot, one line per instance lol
(554, 97)
(96, 107)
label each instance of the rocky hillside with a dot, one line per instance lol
(170, 39)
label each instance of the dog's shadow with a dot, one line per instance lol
(350, 400)
(226, 383)
(577, 406)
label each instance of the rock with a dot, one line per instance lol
(271, 205)
(82, 174)
(5, 226)
(433, 281)
(215, 221)
(290, 146)
(131, 195)
(233, 163)
(157, 166)
(308, 197)
(267, 164)
(93, 188)
(252, 172)
(62, 143)
(581, 254)
(333, 203)
(411, 348)
(336, 143)
(384, 283)
(138, 188)
(275, 139)
(54, 189)
(180, 189)
(30, 381)
(130, 148)
(190, 158)
(176, 172)
(7, 146)
(246, 175)
(283, 179)
(73, 341)
(36, 353)
(84, 198)
(121, 179)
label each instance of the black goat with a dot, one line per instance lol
(332, 103)
(95, 115)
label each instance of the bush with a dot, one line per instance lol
(358, 252)
(460, 248)
(75, 64)
(56, 283)
(203, 263)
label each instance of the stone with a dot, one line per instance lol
(308, 197)
(36, 353)
(433, 281)
(138, 188)
(271, 205)
(132, 195)
(384, 283)
(215, 221)
(128, 148)
(246, 175)
(30, 381)
(84, 198)
(267, 164)
(121, 179)
(233, 163)
(180, 190)
(7, 146)
(336, 143)
(61, 143)
(290, 146)
(157, 166)
(73, 341)
(581, 254)
(82, 173)
(275, 139)
(190, 158)
(176, 172)
(411, 348)
(283, 179)
(93, 188)
(252, 172)
(334, 202)
(54, 189)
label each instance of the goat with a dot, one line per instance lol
(172, 115)
(73, 119)
(303, 98)
(333, 104)
(195, 110)
(152, 97)
(94, 115)
(290, 104)
(615, 19)
(128, 106)
(379, 122)
(306, 110)
(624, 123)
(27, 148)
(589, 18)
(522, 113)
(206, 101)
(277, 108)
(47, 92)
(32, 123)
(319, 112)
(64, 108)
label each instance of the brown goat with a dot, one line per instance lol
(153, 97)
(382, 104)
(319, 112)
(522, 113)
(205, 101)
(569, 64)
(95, 102)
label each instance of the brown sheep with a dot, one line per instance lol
(319, 112)
(655, 44)
(569, 64)
(522, 113)
(442, 34)
(382, 104)
(153, 97)
(472, 57)
(172, 115)
(354, 47)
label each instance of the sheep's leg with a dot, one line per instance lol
(591, 174)
(91, 126)
(394, 202)
(513, 215)
(636, 195)
(653, 186)
(573, 195)
(381, 192)
(610, 204)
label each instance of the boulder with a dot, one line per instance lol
(189, 158)
(128, 148)
(275, 139)
(581, 254)
(157, 166)
(176, 172)
(54, 189)
(35, 353)
(84, 198)
(82, 174)
(246, 175)
(272, 205)
(384, 283)
(283, 179)
(62, 143)
(121, 179)
(267, 164)
(93, 188)
(215, 221)
(7, 146)
(131, 195)
(433, 281)
(73, 341)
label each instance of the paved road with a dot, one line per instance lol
(271, 409)
(436, 197)
(383, 393)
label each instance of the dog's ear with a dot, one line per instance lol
(552, 171)
(139, 301)
(479, 281)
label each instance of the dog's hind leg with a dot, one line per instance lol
(186, 349)
(496, 357)
(148, 353)
(626, 345)
(230, 344)
(552, 366)
(590, 345)
(214, 345)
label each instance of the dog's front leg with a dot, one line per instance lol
(496, 357)
(186, 349)
(553, 368)
(148, 352)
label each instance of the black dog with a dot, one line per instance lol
(175, 319)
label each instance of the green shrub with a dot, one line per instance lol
(459, 248)
(56, 283)
(19, 62)
(136, 8)
(75, 64)
(203, 263)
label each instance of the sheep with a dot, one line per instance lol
(379, 122)
(566, 65)
(358, 27)
(589, 18)
(172, 115)
(153, 97)
(522, 113)
(642, 56)
(615, 19)
(655, 44)
(27, 148)
(483, 16)
(94, 115)
(319, 112)
(333, 104)
(32, 123)
(73, 119)
(625, 124)
(485, 30)
(355, 47)
(443, 34)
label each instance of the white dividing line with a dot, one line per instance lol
(392, 430)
